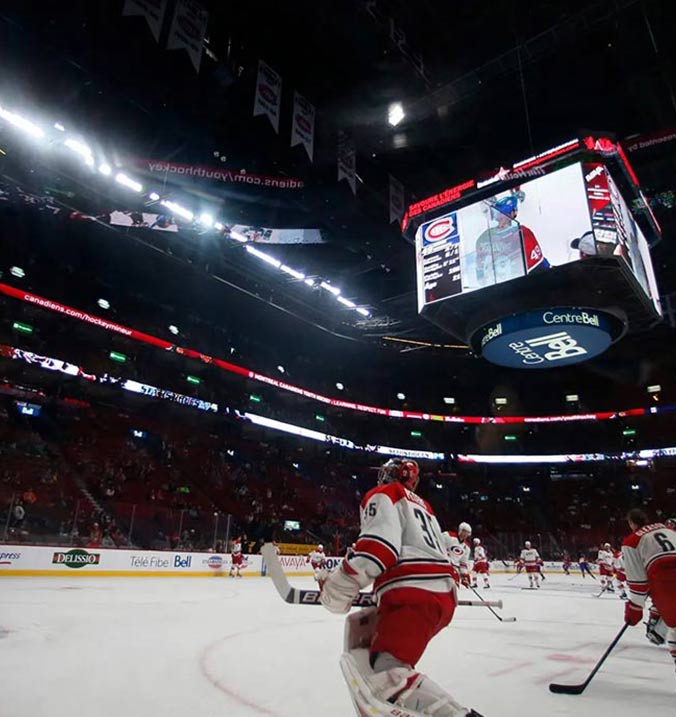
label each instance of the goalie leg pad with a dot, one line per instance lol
(397, 692)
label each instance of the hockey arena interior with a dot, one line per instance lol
(337, 357)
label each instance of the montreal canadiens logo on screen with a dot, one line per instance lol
(441, 228)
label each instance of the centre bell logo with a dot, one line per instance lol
(561, 345)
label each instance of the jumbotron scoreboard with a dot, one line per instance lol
(543, 263)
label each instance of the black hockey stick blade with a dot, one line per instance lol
(297, 596)
(579, 689)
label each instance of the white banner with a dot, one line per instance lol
(347, 161)
(396, 200)
(303, 124)
(268, 98)
(152, 10)
(188, 29)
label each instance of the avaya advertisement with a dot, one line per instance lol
(524, 230)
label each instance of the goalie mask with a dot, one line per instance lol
(404, 470)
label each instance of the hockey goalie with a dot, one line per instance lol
(400, 550)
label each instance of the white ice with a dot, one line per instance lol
(207, 647)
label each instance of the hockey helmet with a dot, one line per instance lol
(528, 543)
(465, 528)
(505, 206)
(477, 541)
(404, 470)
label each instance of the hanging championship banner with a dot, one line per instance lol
(347, 161)
(303, 124)
(268, 97)
(188, 29)
(396, 200)
(152, 10)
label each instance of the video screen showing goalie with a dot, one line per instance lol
(526, 229)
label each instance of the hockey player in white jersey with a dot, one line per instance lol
(481, 566)
(400, 550)
(458, 550)
(650, 564)
(317, 560)
(605, 560)
(530, 558)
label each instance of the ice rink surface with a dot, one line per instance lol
(200, 647)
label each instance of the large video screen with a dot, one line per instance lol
(615, 230)
(521, 231)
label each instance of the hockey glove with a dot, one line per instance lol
(633, 613)
(339, 590)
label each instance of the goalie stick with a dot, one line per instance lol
(579, 689)
(297, 596)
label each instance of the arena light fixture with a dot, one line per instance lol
(656, 388)
(346, 302)
(237, 236)
(105, 169)
(572, 398)
(263, 256)
(320, 418)
(59, 126)
(219, 227)
(310, 282)
(25, 125)
(154, 197)
(364, 312)
(193, 379)
(401, 396)
(416, 434)
(449, 400)
(332, 289)
(281, 369)
(500, 401)
(173, 329)
(117, 356)
(177, 209)
(340, 386)
(510, 437)
(81, 149)
(125, 181)
(629, 432)
(103, 303)
(206, 220)
(17, 271)
(22, 328)
(395, 113)
(292, 272)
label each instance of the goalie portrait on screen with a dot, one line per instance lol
(500, 254)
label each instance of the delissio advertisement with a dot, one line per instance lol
(524, 230)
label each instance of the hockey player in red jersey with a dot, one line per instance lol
(481, 565)
(400, 550)
(317, 560)
(620, 575)
(649, 555)
(458, 550)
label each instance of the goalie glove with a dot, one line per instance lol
(339, 590)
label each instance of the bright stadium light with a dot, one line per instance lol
(219, 227)
(292, 272)
(281, 369)
(340, 386)
(59, 126)
(22, 123)
(572, 398)
(395, 113)
(206, 220)
(325, 285)
(656, 388)
(500, 401)
(154, 197)
(103, 303)
(364, 312)
(178, 209)
(234, 234)
(346, 302)
(401, 396)
(173, 329)
(128, 182)
(105, 169)
(81, 149)
(17, 271)
(449, 400)
(310, 282)
(263, 256)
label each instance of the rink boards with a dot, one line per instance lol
(45, 561)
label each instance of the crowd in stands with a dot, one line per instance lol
(94, 478)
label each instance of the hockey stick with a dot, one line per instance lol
(297, 596)
(509, 580)
(579, 689)
(603, 590)
(502, 619)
